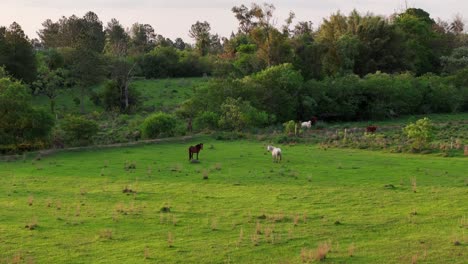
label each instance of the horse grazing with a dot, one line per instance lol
(314, 120)
(307, 124)
(371, 129)
(275, 153)
(195, 149)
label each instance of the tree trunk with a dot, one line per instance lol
(126, 94)
(82, 101)
(126, 81)
(52, 105)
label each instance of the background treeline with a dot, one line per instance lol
(350, 67)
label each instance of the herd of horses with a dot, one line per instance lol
(275, 152)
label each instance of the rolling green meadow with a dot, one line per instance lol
(148, 204)
(369, 108)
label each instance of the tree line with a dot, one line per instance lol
(350, 67)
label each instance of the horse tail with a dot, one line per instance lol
(189, 154)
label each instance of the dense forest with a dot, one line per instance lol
(358, 66)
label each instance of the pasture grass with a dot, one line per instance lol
(334, 205)
(156, 94)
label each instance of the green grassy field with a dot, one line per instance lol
(379, 207)
(161, 94)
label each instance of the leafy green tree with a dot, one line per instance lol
(113, 97)
(360, 45)
(50, 82)
(307, 51)
(87, 69)
(79, 131)
(458, 60)
(180, 44)
(419, 133)
(206, 120)
(117, 39)
(17, 54)
(85, 33)
(200, 32)
(439, 95)
(142, 39)
(276, 90)
(161, 62)
(417, 28)
(232, 115)
(19, 122)
(159, 124)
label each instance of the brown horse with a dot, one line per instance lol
(195, 149)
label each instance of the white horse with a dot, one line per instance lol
(307, 124)
(275, 153)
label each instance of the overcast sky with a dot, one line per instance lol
(173, 18)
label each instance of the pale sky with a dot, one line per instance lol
(173, 18)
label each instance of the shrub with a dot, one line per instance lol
(206, 120)
(256, 118)
(232, 116)
(19, 122)
(79, 131)
(290, 127)
(159, 124)
(112, 97)
(419, 133)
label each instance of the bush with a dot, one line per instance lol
(290, 127)
(238, 114)
(79, 131)
(206, 120)
(159, 124)
(419, 133)
(112, 97)
(19, 122)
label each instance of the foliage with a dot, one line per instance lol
(458, 60)
(74, 32)
(200, 32)
(159, 124)
(79, 131)
(19, 122)
(290, 127)
(112, 98)
(237, 114)
(17, 54)
(164, 62)
(87, 69)
(419, 133)
(206, 120)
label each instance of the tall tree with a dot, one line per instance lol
(86, 70)
(117, 40)
(16, 53)
(457, 26)
(421, 56)
(19, 122)
(142, 38)
(86, 32)
(200, 32)
(92, 35)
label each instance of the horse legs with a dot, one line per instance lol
(197, 155)
(189, 155)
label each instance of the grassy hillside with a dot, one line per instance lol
(379, 207)
(161, 94)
